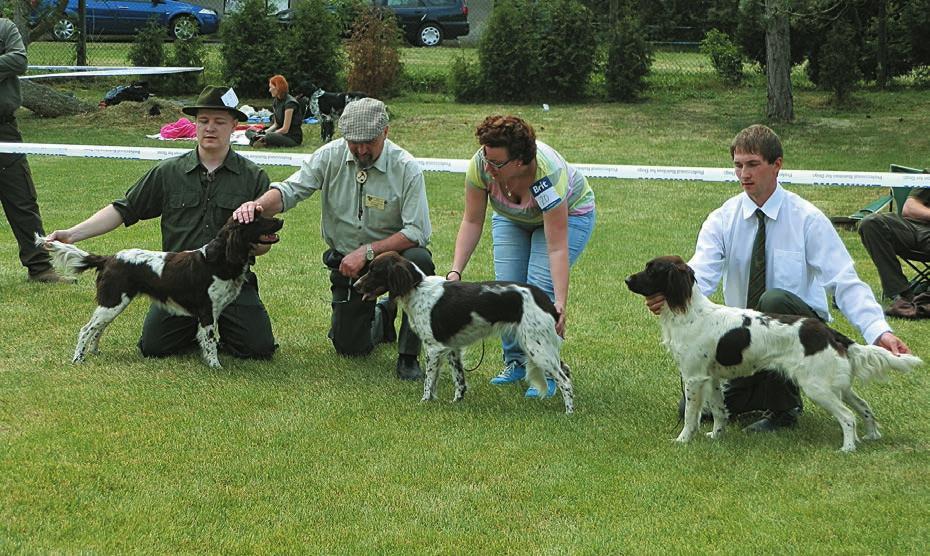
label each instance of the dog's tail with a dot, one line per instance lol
(873, 362)
(67, 259)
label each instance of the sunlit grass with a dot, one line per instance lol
(315, 453)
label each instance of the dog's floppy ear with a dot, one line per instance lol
(400, 277)
(237, 247)
(678, 286)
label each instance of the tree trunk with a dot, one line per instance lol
(19, 18)
(883, 73)
(46, 102)
(778, 62)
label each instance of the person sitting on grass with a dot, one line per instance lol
(285, 130)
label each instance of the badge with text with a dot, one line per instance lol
(545, 194)
(375, 202)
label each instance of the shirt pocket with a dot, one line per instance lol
(225, 203)
(183, 199)
(789, 270)
(382, 212)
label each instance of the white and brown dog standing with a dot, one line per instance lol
(449, 316)
(199, 283)
(713, 343)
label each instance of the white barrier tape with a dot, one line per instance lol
(111, 72)
(676, 173)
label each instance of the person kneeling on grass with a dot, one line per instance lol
(543, 219)
(195, 194)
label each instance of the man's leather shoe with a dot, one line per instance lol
(774, 421)
(408, 368)
(49, 276)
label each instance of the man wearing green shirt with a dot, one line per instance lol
(373, 199)
(17, 191)
(194, 194)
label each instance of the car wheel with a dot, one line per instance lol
(429, 35)
(184, 27)
(64, 29)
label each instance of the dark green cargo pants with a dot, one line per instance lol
(356, 324)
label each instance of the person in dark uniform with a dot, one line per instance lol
(195, 194)
(17, 190)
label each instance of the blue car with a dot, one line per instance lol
(125, 17)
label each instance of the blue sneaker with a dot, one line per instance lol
(513, 372)
(532, 392)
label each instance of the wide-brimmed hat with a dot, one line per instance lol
(363, 120)
(216, 98)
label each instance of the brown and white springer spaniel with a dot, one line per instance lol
(449, 316)
(713, 343)
(199, 283)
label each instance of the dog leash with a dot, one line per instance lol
(480, 359)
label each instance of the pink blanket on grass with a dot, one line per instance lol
(181, 129)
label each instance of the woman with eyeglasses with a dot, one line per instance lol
(543, 218)
(285, 130)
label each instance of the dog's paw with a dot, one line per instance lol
(715, 434)
(874, 435)
(682, 438)
(848, 448)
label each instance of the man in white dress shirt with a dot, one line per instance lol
(805, 261)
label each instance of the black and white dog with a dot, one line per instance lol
(449, 316)
(327, 107)
(199, 283)
(712, 343)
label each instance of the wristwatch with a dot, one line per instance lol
(369, 253)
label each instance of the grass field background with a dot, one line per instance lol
(316, 453)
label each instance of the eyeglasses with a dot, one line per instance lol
(496, 165)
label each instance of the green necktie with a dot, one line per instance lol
(757, 265)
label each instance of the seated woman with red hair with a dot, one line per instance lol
(285, 127)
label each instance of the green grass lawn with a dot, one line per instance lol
(315, 453)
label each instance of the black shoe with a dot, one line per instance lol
(408, 368)
(388, 314)
(774, 421)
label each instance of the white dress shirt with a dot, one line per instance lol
(803, 255)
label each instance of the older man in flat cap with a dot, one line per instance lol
(373, 200)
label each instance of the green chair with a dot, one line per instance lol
(919, 261)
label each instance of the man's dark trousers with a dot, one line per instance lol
(768, 390)
(357, 326)
(18, 196)
(244, 328)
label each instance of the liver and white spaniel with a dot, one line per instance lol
(712, 343)
(449, 316)
(199, 283)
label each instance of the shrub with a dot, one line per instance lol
(464, 80)
(726, 57)
(186, 53)
(839, 58)
(374, 53)
(507, 51)
(922, 77)
(148, 48)
(628, 59)
(248, 48)
(346, 12)
(566, 56)
(310, 51)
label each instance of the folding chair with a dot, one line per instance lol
(917, 260)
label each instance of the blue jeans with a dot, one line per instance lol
(521, 255)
